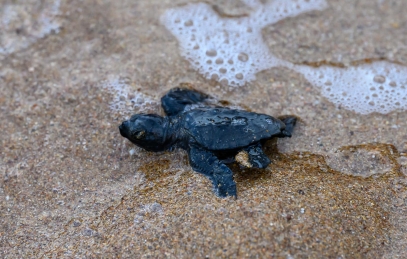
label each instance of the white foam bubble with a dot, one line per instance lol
(126, 100)
(373, 87)
(230, 49)
(21, 24)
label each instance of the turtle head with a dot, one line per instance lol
(146, 131)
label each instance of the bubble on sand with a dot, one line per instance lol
(372, 87)
(127, 100)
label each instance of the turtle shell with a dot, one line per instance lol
(223, 128)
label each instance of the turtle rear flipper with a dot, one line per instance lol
(256, 157)
(206, 163)
(177, 99)
(289, 122)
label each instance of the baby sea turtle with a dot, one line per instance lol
(208, 134)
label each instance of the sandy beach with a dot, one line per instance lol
(72, 71)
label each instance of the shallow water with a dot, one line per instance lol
(73, 187)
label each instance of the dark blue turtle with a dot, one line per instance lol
(208, 134)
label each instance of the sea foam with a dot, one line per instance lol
(232, 51)
(20, 28)
(372, 87)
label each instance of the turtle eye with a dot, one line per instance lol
(140, 134)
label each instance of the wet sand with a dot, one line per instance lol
(73, 187)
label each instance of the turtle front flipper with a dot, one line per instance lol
(253, 156)
(177, 99)
(206, 163)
